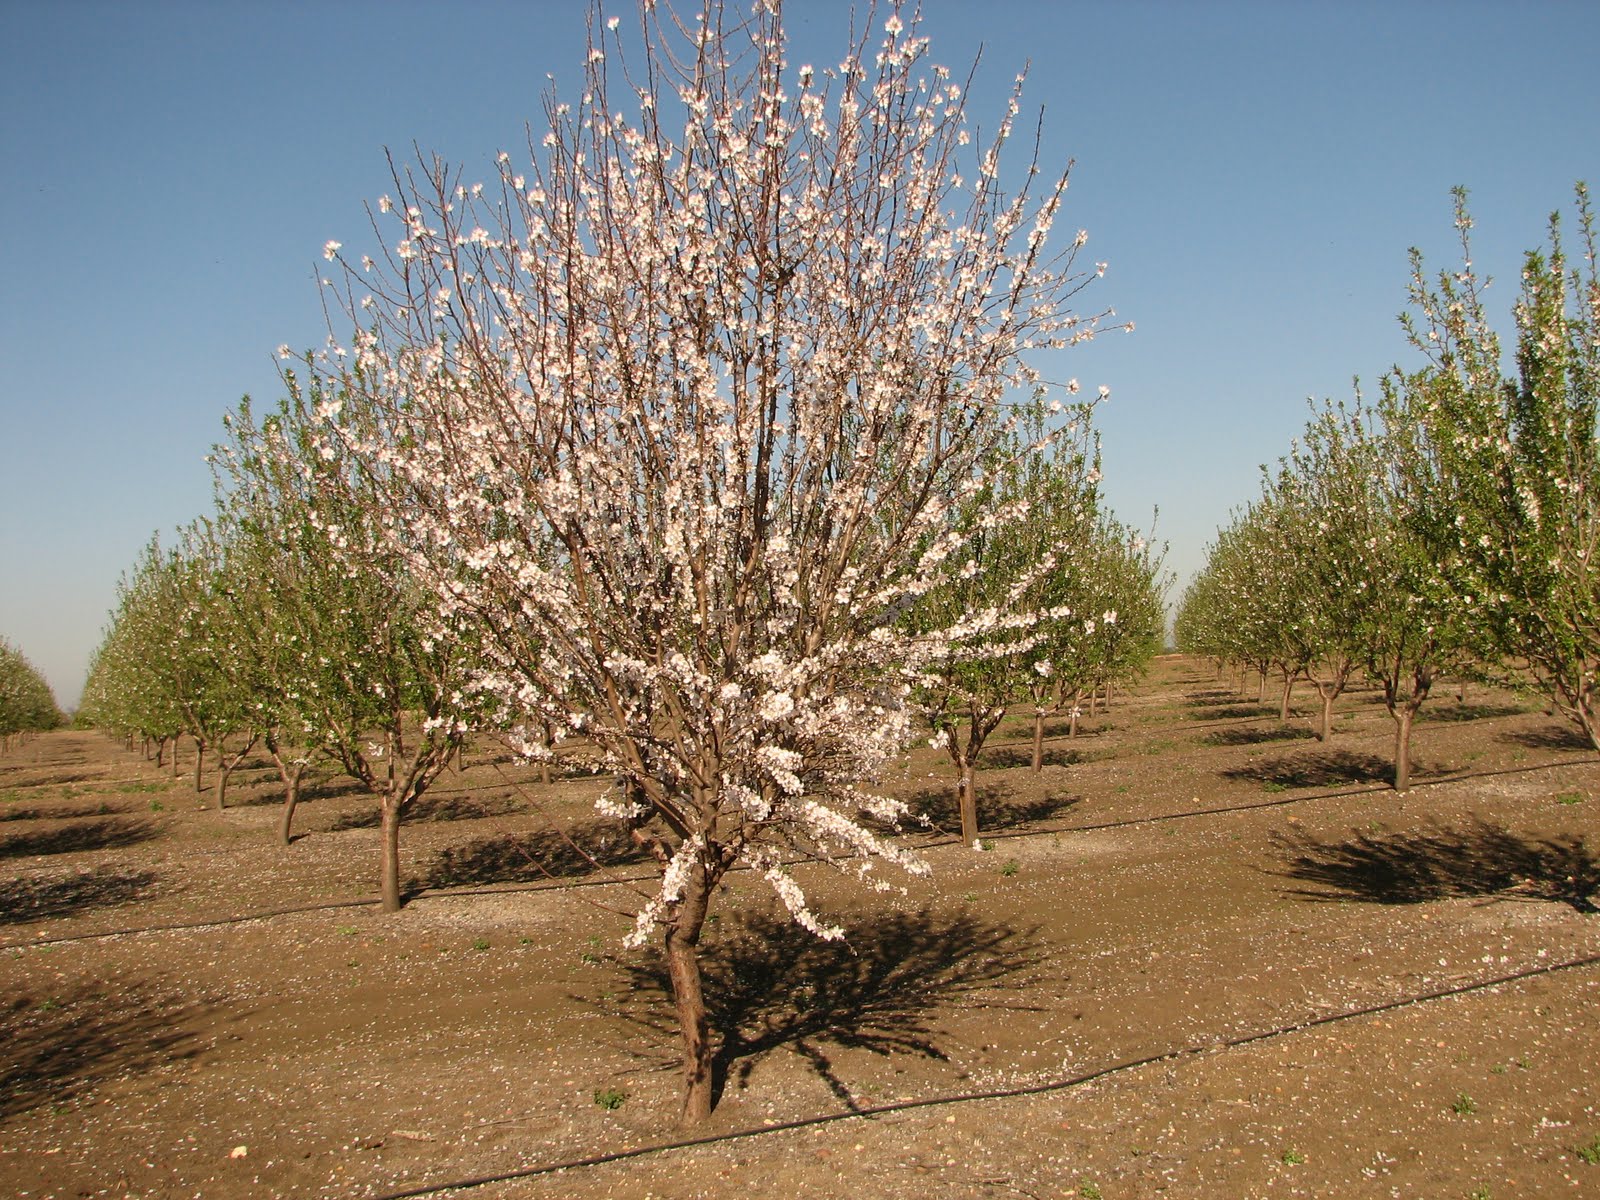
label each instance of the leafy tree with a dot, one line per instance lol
(347, 656)
(1013, 573)
(681, 418)
(26, 703)
(1516, 462)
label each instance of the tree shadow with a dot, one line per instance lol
(1448, 714)
(541, 854)
(43, 898)
(444, 806)
(1550, 737)
(1411, 867)
(110, 834)
(999, 807)
(1004, 757)
(64, 812)
(1232, 712)
(771, 985)
(1318, 768)
(1255, 737)
(54, 1046)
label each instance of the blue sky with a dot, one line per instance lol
(1252, 172)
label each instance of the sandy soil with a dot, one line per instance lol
(1203, 955)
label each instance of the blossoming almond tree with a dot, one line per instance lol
(681, 415)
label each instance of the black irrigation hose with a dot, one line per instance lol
(1037, 1089)
(947, 839)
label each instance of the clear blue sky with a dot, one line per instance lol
(1253, 173)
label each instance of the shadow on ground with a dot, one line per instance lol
(110, 834)
(1439, 862)
(55, 1046)
(1551, 737)
(442, 806)
(1021, 755)
(1447, 714)
(65, 812)
(1255, 737)
(772, 985)
(1318, 768)
(999, 807)
(541, 854)
(51, 897)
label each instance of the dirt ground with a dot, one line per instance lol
(1202, 955)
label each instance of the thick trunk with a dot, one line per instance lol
(683, 969)
(1038, 740)
(1261, 688)
(389, 855)
(161, 753)
(291, 800)
(1288, 694)
(1402, 748)
(1325, 724)
(223, 771)
(199, 763)
(1077, 708)
(967, 802)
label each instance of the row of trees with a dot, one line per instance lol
(688, 455)
(1448, 527)
(26, 702)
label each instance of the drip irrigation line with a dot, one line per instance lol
(946, 839)
(1191, 1050)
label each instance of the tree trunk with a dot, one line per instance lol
(1402, 748)
(199, 762)
(1077, 708)
(223, 771)
(389, 854)
(174, 757)
(1325, 726)
(1288, 693)
(1038, 740)
(1261, 688)
(683, 968)
(967, 802)
(161, 753)
(291, 799)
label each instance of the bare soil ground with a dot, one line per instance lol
(1203, 955)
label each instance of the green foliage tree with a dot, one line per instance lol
(27, 705)
(348, 658)
(1515, 462)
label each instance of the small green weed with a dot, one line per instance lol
(1589, 1151)
(49, 1003)
(1464, 1105)
(970, 898)
(1571, 798)
(157, 806)
(1010, 868)
(1089, 1190)
(1292, 1158)
(610, 1098)
(348, 931)
(480, 943)
(1498, 1069)
(1481, 1192)
(1274, 785)
(524, 941)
